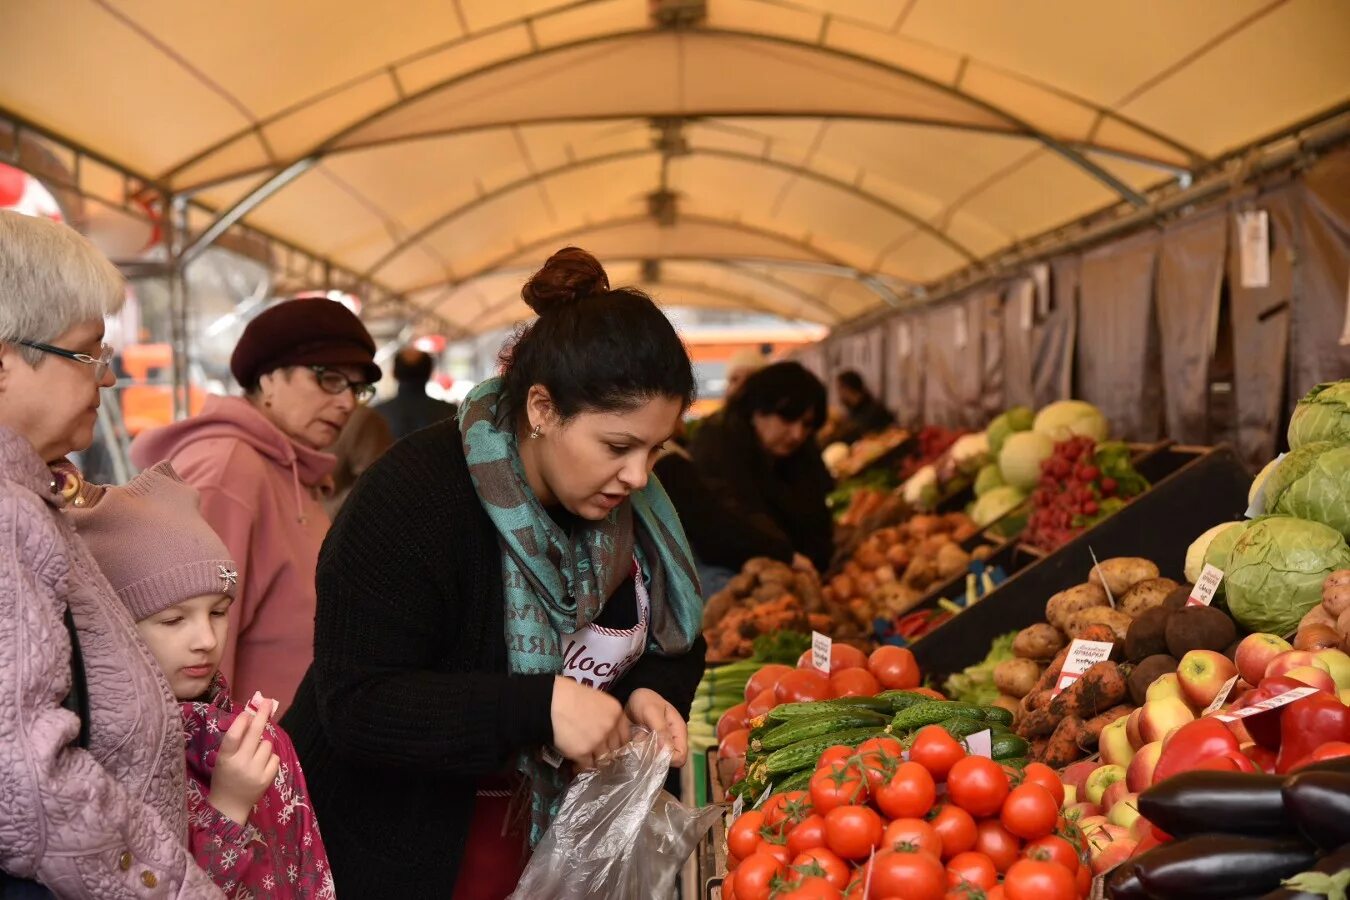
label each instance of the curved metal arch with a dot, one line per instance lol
(537, 178)
(260, 193)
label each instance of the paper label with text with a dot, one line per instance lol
(1083, 655)
(1266, 705)
(1221, 696)
(821, 644)
(981, 743)
(1206, 586)
(762, 797)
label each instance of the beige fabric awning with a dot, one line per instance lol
(812, 158)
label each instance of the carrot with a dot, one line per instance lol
(1037, 751)
(1092, 730)
(1098, 632)
(1062, 748)
(1038, 723)
(1096, 690)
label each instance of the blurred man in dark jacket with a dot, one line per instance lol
(412, 410)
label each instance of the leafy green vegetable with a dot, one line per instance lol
(988, 478)
(781, 647)
(1113, 458)
(1021, 457)
(1312, 482)
(1019, 418)
(976, 683)
(1322, 415)
(1067, 418)
(995, 504)
(1276, 568)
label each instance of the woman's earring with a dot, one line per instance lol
(534, 435)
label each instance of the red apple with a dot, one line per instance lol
(1114, 793)
(1164, 686)
(1113, 854)
(1161, 716)
(1293, 660)
(1338, 664)
(1132, 728)
(1140, 828)
(1125, 810)
(1255, 653)
(1139, 774)
(1077, 775)
(1100, 780)
(1114, 743)
(1313, 676)
(1082, 811)
(1202, 674)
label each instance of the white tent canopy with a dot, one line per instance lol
(817, 159)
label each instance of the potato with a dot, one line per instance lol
(1016, 677)
(1145, 595)
(1117, 621)
(1040, 641)
(951, 561)
(1066, 603)
(1123, 573)
(1010, 703)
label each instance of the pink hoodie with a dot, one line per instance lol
(261, 492)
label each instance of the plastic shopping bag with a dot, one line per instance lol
(618, 835)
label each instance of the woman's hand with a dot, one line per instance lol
(650, 709)
(586, 723)
(245, 766)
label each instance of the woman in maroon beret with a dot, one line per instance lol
(259, 465)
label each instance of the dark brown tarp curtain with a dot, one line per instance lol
(1190, 279)
(1322, 276)
(905, 369)
(1117, 346)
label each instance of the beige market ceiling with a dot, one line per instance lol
(812, 158)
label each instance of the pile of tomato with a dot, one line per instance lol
(938, 825)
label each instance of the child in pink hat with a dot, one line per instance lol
(250, 824)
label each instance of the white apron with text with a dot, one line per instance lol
(597, 656)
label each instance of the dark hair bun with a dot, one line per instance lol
(569, 275)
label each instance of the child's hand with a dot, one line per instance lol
(245, 766)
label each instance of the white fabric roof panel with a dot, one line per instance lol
(896, 140)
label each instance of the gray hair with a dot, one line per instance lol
(51, 279)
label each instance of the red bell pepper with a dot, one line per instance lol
(1265, 727)
(1194, 744)
(1307, 724)
(1264, 759)
(1332, 750)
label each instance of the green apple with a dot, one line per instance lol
(1338, 663)
(1101, 779)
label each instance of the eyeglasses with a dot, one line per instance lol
(334, 382)
(100, 362)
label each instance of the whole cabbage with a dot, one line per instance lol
(1219, 547)
(1198, 553)
(921, 490)
(988, 479)
(1312, 482)
(1255, 490)
(1070, 418)
(1021, 458)
(1276, 569)
(970, 452)
(1019, 418)
(995, 504)
(1322, 415)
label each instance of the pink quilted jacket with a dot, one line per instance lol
(109, 822)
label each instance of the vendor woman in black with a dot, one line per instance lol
(472, 568)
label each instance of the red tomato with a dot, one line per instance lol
(1040, 773)
(879, 757)
(811, 888)
(1055, 849)
(839, 785)
(997, 843)
(764, 680)
(853, 832)
(744, 838)
(837, 753)
(1030, 812)
(789, 808)
(734, 745)
(994, 893)
(1029, 879)
(913, 833)
(842, 657)
(733, 719)
(908, 874)
(929, 692)
(956, 829)
(761, 704)
(825, 863)
(937, 751)
(1083, 880)
(909, 794)
(803, 685)
(854, 683)
(808, 834)
(979, 786)
(894, 667)
(729, 885)
(755, 876)
(972, 868)
(777, 851)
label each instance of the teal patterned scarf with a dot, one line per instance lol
(557, 582)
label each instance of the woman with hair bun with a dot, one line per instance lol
(501, 591)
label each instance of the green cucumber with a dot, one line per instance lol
(931, 713)
(797, 781)
(997, 715)
(803, 727)
(1017, 762)
(805, 754)
(899, 700)
(961, 728)
(1008, 746)
(788, 711)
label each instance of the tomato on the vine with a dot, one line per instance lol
(909, 794)
(972, 868)
(778, 851)
(1031, 879)
(744, 837)
(978, 785)
(955, 827)
(806, 834)
(853, 832)
(811, 888)
(825, 863)
(787, 809)
(913, 833)
(908, 874)
(895, 667)
(837, 753)
(839, 785)
(755, 877)
(936, 750)
(1030, 812)
(997, 843)
(1040, 773)
(1055, 849)
(878, 758)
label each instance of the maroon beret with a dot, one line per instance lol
(311, 331)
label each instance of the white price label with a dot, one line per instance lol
(1221, 696)
(1254, 240)
(1083, 655)
(821, 644)
(762, 797)
(1206, 586)
(1097, 567)
(1266, 705)
(551, 756)
(736, 809)
(981, 743)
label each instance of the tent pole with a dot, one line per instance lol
(176, 226)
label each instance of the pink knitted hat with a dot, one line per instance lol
(153, 544)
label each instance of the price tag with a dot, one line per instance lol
(1083, 655)
(1097, 567)
(981, 743)
(821, 645)
(1206, 586)
(1220, 697)
(551, 756)
(867, 882)
(1254, 240)
(1267, 705)
(737, 808)
(762, 797)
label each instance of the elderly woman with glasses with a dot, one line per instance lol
(91, 759)
(259, 464)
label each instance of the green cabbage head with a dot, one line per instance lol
(1322, 415)
(1019, 418)
(1312, 482)
(1276, 568)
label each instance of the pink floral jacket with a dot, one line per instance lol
(279, 853)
